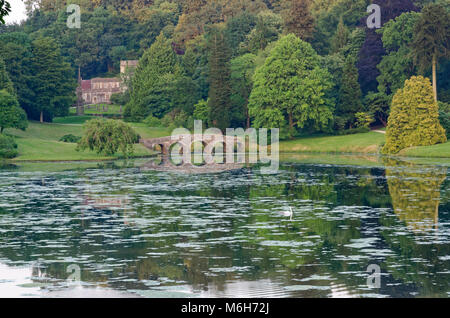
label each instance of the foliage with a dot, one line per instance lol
(151, 121)
(151, 84)
(108, 136)
(11, 115)
(70, 138)
(363, 120)
(431, 35)
(8, 147)
(297, 18)
(5, 9)
(219, 97)
(349, 102)
(378, 105)
(397, 65)
(53, 83)
(291, 86)
(201, 111)
(372, 50)
(5, 81)
(413, 120)
(242, 70)
(444, 117)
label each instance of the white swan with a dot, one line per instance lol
(289, 213)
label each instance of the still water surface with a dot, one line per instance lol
(139, 232)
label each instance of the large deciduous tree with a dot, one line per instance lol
(291, 86)
(414, 117)
(431, 39)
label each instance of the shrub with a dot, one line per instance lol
(152, 121)
(444, 117)
(413, 120)
(8, 147)
(107, 136)
(363, 120)
(70, 138)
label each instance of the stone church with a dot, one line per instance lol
(99, 90)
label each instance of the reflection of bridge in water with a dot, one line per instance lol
(209, 141)
(165, 163)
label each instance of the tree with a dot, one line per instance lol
(291, 86)
(11, 115)
(151, 85)
(242, 70)
(414, 117)
(53, 82)
(349, 102)
(378, 105)
(372, 50)
(5, 9)
(219, 79)
(108, 136)
(298, 18)
(431, 39)
(5, 81)
(397, 65)
(341, 37)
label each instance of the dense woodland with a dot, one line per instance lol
(306, 66)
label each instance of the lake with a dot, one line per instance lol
(314, 229)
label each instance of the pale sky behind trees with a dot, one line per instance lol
(17, 13)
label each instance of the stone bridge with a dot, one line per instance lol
(210, 142)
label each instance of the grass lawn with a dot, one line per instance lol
(40, 142)
(435, 151)
(357, 143)
(77, 120)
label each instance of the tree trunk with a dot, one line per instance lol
(291, 124)
(434, 78)
(248, 120)
(42, 117)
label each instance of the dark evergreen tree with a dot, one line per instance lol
(349, 102)
(431, 39)
(219, 78)
(53, 82)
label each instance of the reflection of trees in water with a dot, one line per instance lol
(415, 193)
(182, 247)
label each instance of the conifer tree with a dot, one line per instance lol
(298, 19)
(5, 81)
(350, 93)
(414, 117)
(219, 78)
(341, 37)
(431, 40)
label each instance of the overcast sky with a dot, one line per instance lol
(17, 12)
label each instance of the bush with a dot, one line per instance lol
(352, 131)
(152, 121)
(444, 117)
(70, 138)
(8, 147)
(414, 117)
(107, 136)
(363, 120)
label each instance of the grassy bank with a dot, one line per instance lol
(367, 143)
(40, 142)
